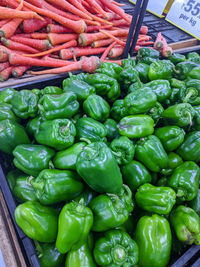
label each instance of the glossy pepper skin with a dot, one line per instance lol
(110, 69)
(6, 95)
(161, 88)
(111, 210)
(12, 134)
(180, 114)
(140, 101)
(147, 55)
(174, 160)
(128, 76)
(111, 127)
(154, 239)
(54, 186)
(96, 107)
(32, 126)
(87, 195)
(66, 159)
(170, 136)
(194, 73)
(81, 88)
(150, 152)
(186, 224)
(99, 169)
(155, 199)
(190, 148)
(156, 112)
(128, 62)
(136, 126)
(58, 106)
(175, 83)
(161, 69)
(58, 133)
(195, 203)
(143, 70)
(118, 110)
(182, 69)
(74, 224)
(194, 57)
(90, 129)
(190, 93)
(116, 248)
(135, 174)
(52, 90)
(32, 159)
(177, 58)
(38, 222)
(7, 113)
(123, 149)
(24, 104)
(185, 180)
(104, 85)
(48, 255)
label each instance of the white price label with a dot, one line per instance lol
(185, 14)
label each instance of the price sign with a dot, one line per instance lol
(185, 14)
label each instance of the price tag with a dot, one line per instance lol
(185, 14)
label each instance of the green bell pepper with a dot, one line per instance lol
(116, 248)
(7, 113)
(53, 186)
(171, 137)
(110, 69)
(111, 127)
(32, 159)
(155, 199)
(186, 224)
(58, 106)
(12, 134)
(175, 83)
(140, 101)
(150, 152)
(87, 195)
(180, 114)
(24, 104)
(147, 55)
(66, 159)
(48, 255)
(6, 95)
(91, 129)
(174, 160)
(161, 69)
(195, 203)
(58, 133)
(118, 110)
(195, 73)
(52, 90)
(196, 120)
(33, 125)
(190, 148)
(143, 70)
(185, 180)
(74, 224)
(156, 112)
(176, 58)
(135, 174)
(111, 210)
(96, 107)
(128, 62)
(128, 76)
(182, 69)
(81, 88)
(162, 182)
(38, 222)
(191, 94)
(123, 149)
(194, 57)
(136, 126)
(154, 239)
(99, 169)
(161, 88)
(135, 86)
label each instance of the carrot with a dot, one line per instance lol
(5, 74)
(105, 53)
(113, 37)
(17, 46)
(144, 43)
(16, 59)
(52, 50)
(96, 28)
(99, 9)
(166, 50)
(33, 25)
(8, 13)
(53, 28)
(3, 22)
(3, 56)
(88, 64)
(111, 16)
(26, 35)
(77, 26)
(39, 35)
(116, 52)
(118, 4)
(37, 44)
(4, 65)
(114, 61)
(79, 52)
(103, 42)
(19, 71)
(158, 44)
(120, 22)
(56, 38)
(10, 28)
(144, 30)
(92, 22)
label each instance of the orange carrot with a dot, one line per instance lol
(100, 10)
(33, 25)
(103, 42)
(56, 38)
(4, 66)
(53, 28)
(8, 13)
(88, 64)
(3, 22)
(79, 52)
(39, 35)
(144, 43)
(92, 22)
(55, 49)
(26, 35)
(114, 61)
(5, 74)
(19, 71)
(118, 4)
(37, 44)
(120, 22)
(96, 28)
(3, 56)
(17, 46)
(105, 53)
(113, 37)
(116, 52)
(144, 30)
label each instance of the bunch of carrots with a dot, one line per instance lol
(54, 33)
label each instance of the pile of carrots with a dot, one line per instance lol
(54, 33)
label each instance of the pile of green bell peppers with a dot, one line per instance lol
(105, 168)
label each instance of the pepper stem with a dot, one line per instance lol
(192, 92)
(117, 154)
(38, 186)
(86, 140)
(180, 192)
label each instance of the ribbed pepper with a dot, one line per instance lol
(32, 126)
(128, 62)
(182, 69)
(194, 57)
(194, 73)
(147, 55)
(174, 160)
(161, 69)
(156, 112)
(155, 199)
(111, 210)
(177, 58)
(143, 70)
(98, 167)
(111, 127)
(52, 90)
(118, 110)
(161, 88)
(53, 186)
(38, 222)
(7, 113)
(128, 76)
(110, 69)
(191, 92)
